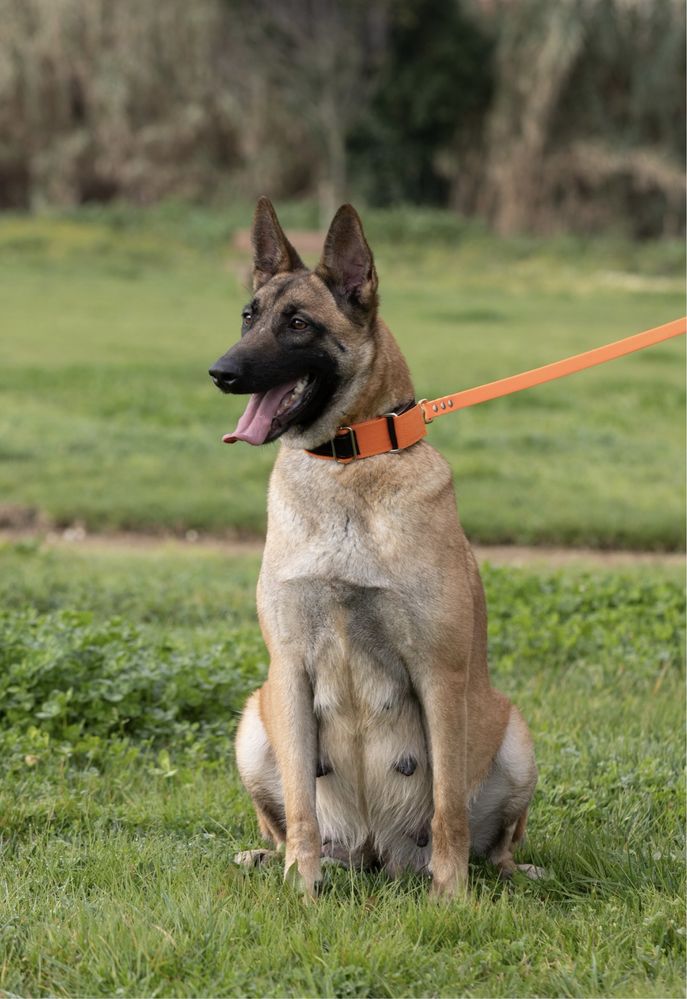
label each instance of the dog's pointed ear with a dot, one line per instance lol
(272, 252)
(347, 265)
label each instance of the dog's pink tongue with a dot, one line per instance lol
(256, 421)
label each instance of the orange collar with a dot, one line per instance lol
(395, 431)
(386, 434)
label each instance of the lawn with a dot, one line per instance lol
(110, 319)
(121, 675)
(123, 668)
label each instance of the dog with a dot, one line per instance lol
(377, 738)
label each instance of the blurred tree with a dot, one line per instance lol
(534, 114)
(102, 99)
(320, 57)
(587, 124)
(435, 84)
(537, 48)
(619, 132)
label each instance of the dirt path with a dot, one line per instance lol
(76, 538)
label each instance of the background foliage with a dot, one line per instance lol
(533, 115)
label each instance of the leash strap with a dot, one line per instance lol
(549, 372)
(394, 432)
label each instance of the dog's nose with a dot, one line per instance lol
(224, 377)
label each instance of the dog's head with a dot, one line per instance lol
(307, 337)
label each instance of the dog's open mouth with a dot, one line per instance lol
(268, 414)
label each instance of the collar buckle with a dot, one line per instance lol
(391, 430)
(340, 433)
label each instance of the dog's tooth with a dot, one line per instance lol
(294, 394)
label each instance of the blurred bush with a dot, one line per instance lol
(82, 680)
(531, 114)
(74, 678)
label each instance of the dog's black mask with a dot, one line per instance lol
(290, 373)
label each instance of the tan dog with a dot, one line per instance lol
(377, 738)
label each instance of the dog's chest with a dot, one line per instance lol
(344, 636)
(335, 542)
(341, 524)
(337, 594)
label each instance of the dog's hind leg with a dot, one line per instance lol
(498, 812)
(259, 772)
(501, 855)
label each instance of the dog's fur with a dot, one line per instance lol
(377, 738)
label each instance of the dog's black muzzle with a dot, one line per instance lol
(247, 368)
(224, 378)
(229, 372)
(250, 367)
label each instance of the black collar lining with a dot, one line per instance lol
(344, 448)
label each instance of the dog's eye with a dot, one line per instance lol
(246, 315)
(298, 324)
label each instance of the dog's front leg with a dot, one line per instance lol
(294, 738)
(443, 696)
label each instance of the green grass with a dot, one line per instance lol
(111, 318)
(120, 807)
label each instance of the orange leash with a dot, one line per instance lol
(549, 372)
(393, 432)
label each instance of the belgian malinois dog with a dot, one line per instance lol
(377, 738)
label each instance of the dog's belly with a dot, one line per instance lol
(374, 795)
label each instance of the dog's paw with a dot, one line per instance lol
(304, 878)
(453, 884)
(254, 858)
(532, 872)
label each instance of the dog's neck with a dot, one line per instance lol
(389, 384)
